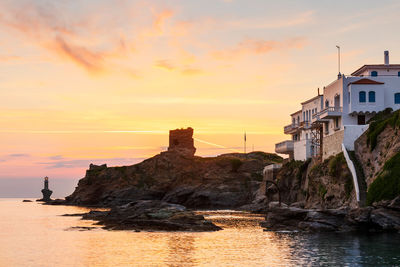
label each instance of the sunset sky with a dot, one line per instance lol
(104, 81)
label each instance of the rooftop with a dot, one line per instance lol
(312, 99)
(375, 66)
(366, 81)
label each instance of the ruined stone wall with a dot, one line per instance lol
(181, 141)
(332, 144)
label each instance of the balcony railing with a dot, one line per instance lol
(328, 113)
(290, 128)
(305, 124)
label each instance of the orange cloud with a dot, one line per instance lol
(159, 20)
(253, 46)
(191, 71)
(91, 61)
(164, 64)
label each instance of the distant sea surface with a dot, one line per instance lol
(36, 235)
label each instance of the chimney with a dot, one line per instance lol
(386, 53)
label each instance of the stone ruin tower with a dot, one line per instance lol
(181, 141)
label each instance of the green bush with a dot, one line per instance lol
(335, 164)
(348, 186)
(322, 191)
(387, 184)
(378, 124)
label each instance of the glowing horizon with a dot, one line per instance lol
(104, 81)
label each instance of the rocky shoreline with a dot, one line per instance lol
(148, 215)
(382, 217)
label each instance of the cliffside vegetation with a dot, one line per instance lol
(379, 122)
(387, 184)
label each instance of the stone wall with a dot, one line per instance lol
(332, 144)
(181, 141)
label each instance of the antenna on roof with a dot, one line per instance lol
(339, 74)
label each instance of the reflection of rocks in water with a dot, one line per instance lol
(233, 219)
(180, 250)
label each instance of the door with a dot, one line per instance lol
(361, 119)
(337, 101)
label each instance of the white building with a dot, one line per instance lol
(339, 116)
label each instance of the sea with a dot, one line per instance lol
(32, 234)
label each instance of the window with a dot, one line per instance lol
(371, 96)
(397, 98)
(374, 73)
(326, 103)
(398, 74)
(362, 97)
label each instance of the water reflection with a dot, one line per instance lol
(34, 235)
(180, 250)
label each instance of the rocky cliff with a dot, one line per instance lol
(226, 181)
(312, 184)
(378, 151)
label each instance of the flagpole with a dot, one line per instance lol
(245, 142)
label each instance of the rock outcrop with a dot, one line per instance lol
(148, 215)
(326, 185)
(382, 217)
(226, 181)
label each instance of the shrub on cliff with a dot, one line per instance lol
(378, 124)
(335, 165)
(387, 184)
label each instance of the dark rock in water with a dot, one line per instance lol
(150, 215)
(82, 228)
(368, 219)
(74, 215)
(26, 200)
(386, 219)
(395, 204)
(56, 202)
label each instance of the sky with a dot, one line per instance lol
(99, 81)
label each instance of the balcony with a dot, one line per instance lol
(285, 147)
(291, 128)
(305, 124)
(328, 113)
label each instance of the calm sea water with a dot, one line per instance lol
(36, 235)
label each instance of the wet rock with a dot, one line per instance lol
(368, 219)
(56, 202)
(151, 215)
(26, 200)
(395, 204)
(386, 219)
(276, 204)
